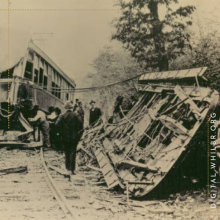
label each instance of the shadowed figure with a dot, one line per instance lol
(69, 123)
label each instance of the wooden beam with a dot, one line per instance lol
(141, 183)
(173, 125)
(20, 169)
(139, 165)
(94, 168)
(182, 96)
(58, 170)
(24, 135)
(87, 152)
(11, 143)
(34, 144)
(172, 107)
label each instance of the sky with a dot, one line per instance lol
(73, 39)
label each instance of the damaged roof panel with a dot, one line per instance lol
(178, 74)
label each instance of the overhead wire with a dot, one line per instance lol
(91, 88)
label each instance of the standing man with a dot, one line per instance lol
(95, 114)
(76, 104)
(51, 118)
(43, 125)
(70, 125)
(81, 116)
(55, 136)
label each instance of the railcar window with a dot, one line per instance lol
(57, 83)
(53, 88)
(41, 76)
(36, 76)
(58, 92)
(45, 82)
(4, 91)
(28, 70)
(6, 75)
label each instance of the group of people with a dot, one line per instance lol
(64, 131)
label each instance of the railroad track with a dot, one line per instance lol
(26, 195)
(43, 193)
(64, 204)
(82, 197)
(40, 193)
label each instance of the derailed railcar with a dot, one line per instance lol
(154, 137)
(34, 80)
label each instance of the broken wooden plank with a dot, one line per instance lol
(109, 174)
(173, 107)
(141, 182)
(11, 143)
(24, 135)
(34, 144)
(94, 168)
(173, 125)
(20, 169)
(58, 170)
(181, 94)
(87, 152)
(139, 165)
(55, 158)
(101, 199)
(99, 184)
(118, 197)
(154, 211)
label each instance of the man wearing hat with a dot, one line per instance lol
(76, 104)
(95, 114)
(70, 125)
(41, 120)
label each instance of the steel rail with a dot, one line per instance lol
(58, 194)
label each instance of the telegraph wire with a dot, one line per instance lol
(91, 88)
(87, 89)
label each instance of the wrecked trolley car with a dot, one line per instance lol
(154, 136)
(34, 80)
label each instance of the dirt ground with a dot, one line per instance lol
(27, 195)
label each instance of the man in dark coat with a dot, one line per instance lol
(76, 104)
(70, 125)
(51, 118)
(58, 132)
(81, 113)
(95, 114)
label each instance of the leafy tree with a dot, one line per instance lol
(204, 53)
(113, 66)
(151, 38)
(110, 67)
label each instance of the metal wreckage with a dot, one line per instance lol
(153, 138)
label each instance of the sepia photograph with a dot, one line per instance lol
(109, 109)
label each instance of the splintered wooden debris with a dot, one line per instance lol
(21, 169)
(58, 170)
(148, 142)
(109, 174)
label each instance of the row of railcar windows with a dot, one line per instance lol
(42, 80)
